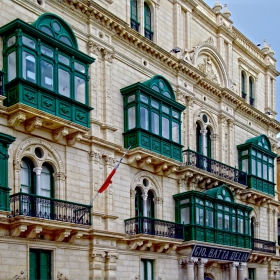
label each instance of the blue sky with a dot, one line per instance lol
(257, 20)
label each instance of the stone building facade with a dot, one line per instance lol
(188, 94)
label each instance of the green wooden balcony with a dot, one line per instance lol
(261, 185)
(23, 204)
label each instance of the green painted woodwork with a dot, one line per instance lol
(152, 117)
(243, 84)
(45, 70)
(147, 269)
(148, 22)
(133, 10)
(5, 141)
(39, 264)
(214, 217)
(257, 159)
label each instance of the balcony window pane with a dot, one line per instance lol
(165, 109)
(175, 114)
(80, 89)
(46, 51)
(254, 166)
(233, 226)
(185, 215)
(253, 152)
(226, 222)
(11, 66)
(240, 225)
(79, 67)
(156, 88)
(131, 117)
(270, 174)
(175, 132)
(11, 41)
(155, 104)
(244, 153)
(46, 75)
(63, 59)
(144, 121)
(184, 201)
(246, 227)
(149, 270)
(220, 220)
(209, 218)
(199, 216)
(28, 67)
(245, 165)
(131, 98)
(25, 179)
(165, 127)
(144, 98)
(259, 169)
(45, 182)
(155, 123)
(63, 82)
(65, 40)
(265, 171)
(28, 42)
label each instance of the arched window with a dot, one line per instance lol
(208, 143)
(251, 83)
(150, 205)
(199, 148)
(138, 203)
(203, 137)
(134, 15)
(27, 178)
(243, 84)
(253, 221)
(148, 22)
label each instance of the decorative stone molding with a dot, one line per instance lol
(61, 235)
(60, 276)
(144, 161)
(17, 118)
(59, 133)
(95, 156)
(22, 276)
(73, 138)
(146, 245)
(33, 123)
(207, 68)
(98, 253)
(75, 236)
(59, 176)
(110, 160)
(15, 232)
(133, 158)
(135, 244)
(162, 247)
(32, 233)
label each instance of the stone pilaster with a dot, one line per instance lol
(97, 265)
(111, 266)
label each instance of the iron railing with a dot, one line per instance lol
(49, 208)
(263, 246)
(145, 225)
(213, 166)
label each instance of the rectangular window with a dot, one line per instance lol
(131, 117)
(209, 218)
(11, 66)
(259, 164)
(80, 90)
(130, 98)
(11, 41)
(270, 174)
(175, 132)
(254, 166)
(264, 171)
(165, 109)
(144, 118)
(28, 42)
(79, 67)
(144, 98)
(251, 273)
(39, 264)
(155, 104)
(199, 216)
(46, 51)
(147, 270)
(28, 67)
(233, 224)
(226, 222)
(46, 75)
(63, 82)
(240, 226)
(63, 59)
(185, 215)
(245, 165)
(220, 220)
(165, 127)
(155, 123)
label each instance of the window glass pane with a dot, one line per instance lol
(254, 167)
(199, 216)
(63, 59)
(175, 132)
(259, 155)
(167, 94)
(131, 117)
(144, 119)
(253, 152)
(80, 89)
(264, 158)
(65, 40)
(155, 123)
(47, 30)
(209, 218)
(63, 82)
(220, 206)
(265, 171)
(155, 104)
(45, 182)
(11, 66)
(259, 169)
(165, 127)
(28, 42)
(226, 209)
(131, 98)
(165, 109)
(240, 225)
(270, 174)
(226, 222)
(245, 165)
(28, 67)
(46, 75)
(270, 160)
(185, 215)
(11, 41)
(79, 67)
(184, 201)
(246, 226)
(244, 153)
(175, 114)
(46, 51)
(156, 88)
(220, 220)
(209, 204)
(25, 179)
(144, 98)
(149, 270)
(233, 225)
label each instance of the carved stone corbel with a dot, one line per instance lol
(170, 169)
(75, 236)
(193, 182)
(144, 161)
(59, 133)
(16, 119)
(63, 234)
(33, 232)
(73, 138)
(204, 182)
(18, 230)
(33, 123)
(162, 247)
(146, 245)
(135, 244)
(161, 167)
(133, 158)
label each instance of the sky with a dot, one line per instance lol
(257, 20)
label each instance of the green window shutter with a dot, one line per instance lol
(133, 10)
(33, 265)
(45, 273)
(147, 17)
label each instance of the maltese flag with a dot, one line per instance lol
(108, 181)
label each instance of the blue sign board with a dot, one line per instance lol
(215, 253)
